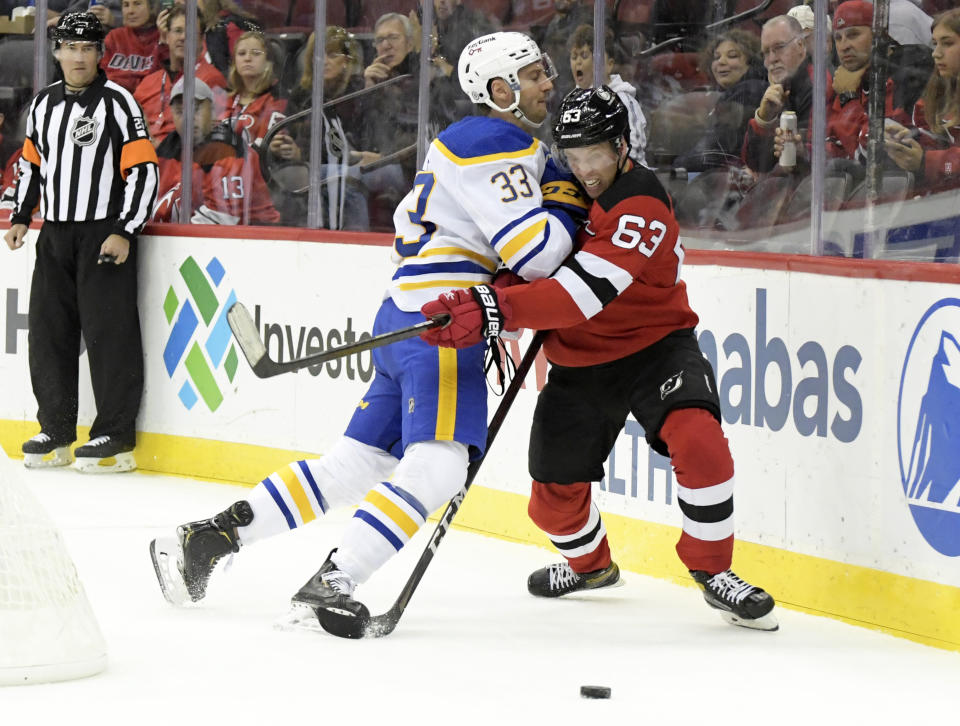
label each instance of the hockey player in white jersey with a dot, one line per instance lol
(487, 193)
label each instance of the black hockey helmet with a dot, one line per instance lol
(78, 26)
(588, 116)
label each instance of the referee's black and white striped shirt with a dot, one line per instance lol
(87, 157)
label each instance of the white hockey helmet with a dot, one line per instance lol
(498, 55)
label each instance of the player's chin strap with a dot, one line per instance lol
(523, 118)
(514, 108)
(497, 355)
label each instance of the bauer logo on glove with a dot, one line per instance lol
(475, 313)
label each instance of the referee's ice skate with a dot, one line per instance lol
(739, 602)
(184, 563)
(327, 599)
(560, 579)
(43, 451)
(104, 455)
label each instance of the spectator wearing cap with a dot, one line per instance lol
(154, 93)
(848, 120)
(790, 88)
(848, 101)
(805, 16)
(228, 187)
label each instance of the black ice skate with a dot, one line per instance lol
(739, 602)
(184, 564)
(43, 451)
(560, 579)
(327, 598)
(105, 455)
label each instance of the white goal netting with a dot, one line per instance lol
(47, 630)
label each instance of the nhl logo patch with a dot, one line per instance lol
(84, 131)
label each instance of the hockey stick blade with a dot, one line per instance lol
(246, 333)
(377, 626)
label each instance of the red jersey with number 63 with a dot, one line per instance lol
(621, 292)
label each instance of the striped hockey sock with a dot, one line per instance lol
(383, 523)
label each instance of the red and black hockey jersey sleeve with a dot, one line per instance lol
(234, 192)
(622, 290)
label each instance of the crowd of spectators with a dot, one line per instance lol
(730, 82)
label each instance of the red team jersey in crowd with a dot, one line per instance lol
(229, 191)
(131, 54)
(257, 117)
(621, 292)
(941, 161)
(8, 186)
(848, 123)
(153, 95)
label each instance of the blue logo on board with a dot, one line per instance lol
(928, 426)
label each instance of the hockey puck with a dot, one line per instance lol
(594, 692)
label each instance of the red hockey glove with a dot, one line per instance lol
(505, 277)
(475, 314)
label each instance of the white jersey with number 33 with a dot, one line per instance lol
(487, 192)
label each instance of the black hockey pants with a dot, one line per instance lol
(72, 293)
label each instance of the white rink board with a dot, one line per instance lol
(836, 493)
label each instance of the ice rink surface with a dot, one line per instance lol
(472, 648)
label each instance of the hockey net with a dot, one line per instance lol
(47, 629)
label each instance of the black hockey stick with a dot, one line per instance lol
(247, 335)
(348, 626)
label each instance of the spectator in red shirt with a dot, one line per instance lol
(930, 146)
(228, 187)
(8, 187)
(153, 94)
(848, 120)
(252, 105)
(132, 51)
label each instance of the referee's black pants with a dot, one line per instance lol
(72, 293)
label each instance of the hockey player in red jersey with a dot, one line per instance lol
(622, 342)
(228, 187)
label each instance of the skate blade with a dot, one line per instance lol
(165, 553)
(123, 461)
(57, 457)
(299, 618)
(766, 622)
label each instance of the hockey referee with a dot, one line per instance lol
(89, 165)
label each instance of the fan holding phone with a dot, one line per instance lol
(931, 147)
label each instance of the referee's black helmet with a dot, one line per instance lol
(78, 26)
(588, 116)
